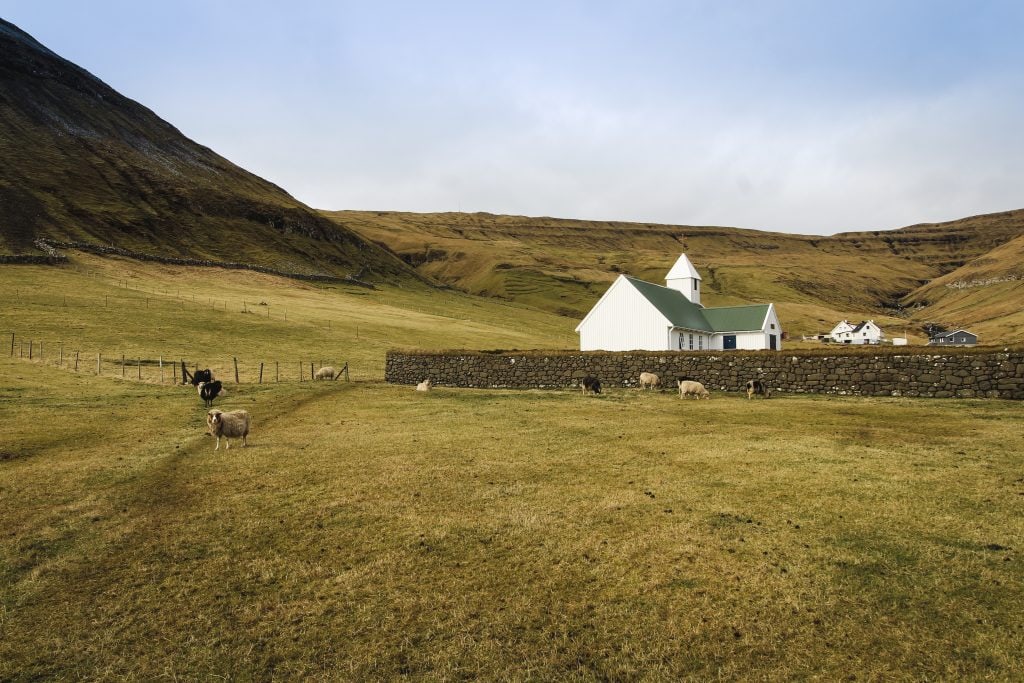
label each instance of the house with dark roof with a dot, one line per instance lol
(865, 332)
(635, 315)
(955, 338)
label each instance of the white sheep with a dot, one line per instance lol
(425, 385)
(231, 425)
(691, 388)
(648, 380)
(326, 372)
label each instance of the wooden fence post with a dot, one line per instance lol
(76, 361)
(40, 351)
(99, 359)
(311, 376)
(30, 345)
(122, 362)
(236, 371)
(12, 345)
(140, 368)
(346, 371)
(277, 372)
(261, 373)
(161, 369)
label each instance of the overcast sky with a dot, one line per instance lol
(797, 116)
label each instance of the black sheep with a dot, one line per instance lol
(201, 376)
(210, 390)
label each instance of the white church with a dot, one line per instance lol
(634, 315)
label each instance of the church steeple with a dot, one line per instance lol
(684, 278)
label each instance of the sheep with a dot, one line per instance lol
(229, 425)
(326, 372)
(648, 380)
(590, 385)
(211, 390)
(201, 376)
(425, 385)
(756, 386)
(691, 388)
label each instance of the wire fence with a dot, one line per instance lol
(161, 369)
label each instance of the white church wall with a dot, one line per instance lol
(624, 321)
(700, 341)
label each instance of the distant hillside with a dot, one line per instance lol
(83, 163)
(564, 265)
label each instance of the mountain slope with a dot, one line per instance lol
(564, 265)
(84, 163)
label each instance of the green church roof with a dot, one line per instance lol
(737, 318)
(679, 310)
(682, 312)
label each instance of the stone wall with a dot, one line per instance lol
(963, 373)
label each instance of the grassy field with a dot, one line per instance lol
(370, 531)
(120, 307)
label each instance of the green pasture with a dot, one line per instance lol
(117, 307)
(373, 532)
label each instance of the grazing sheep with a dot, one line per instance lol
(691, 388)
(229, 425)
(326, 372)
(425, 385)
(648, 380)
(756, 386)
(200, 376)
(590, 385)
(211, 390)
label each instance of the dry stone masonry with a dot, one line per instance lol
(972, 373)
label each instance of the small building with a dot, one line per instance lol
(634, 315)
(956, 338)
(865, 332)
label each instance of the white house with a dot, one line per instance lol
(634, 315)
(866, 332)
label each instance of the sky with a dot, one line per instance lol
(803, 116)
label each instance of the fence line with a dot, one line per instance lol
(156, 362)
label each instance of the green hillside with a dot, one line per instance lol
(83, 163)
(564, 265)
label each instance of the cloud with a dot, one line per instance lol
(803, 116)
